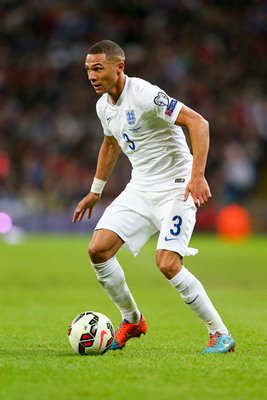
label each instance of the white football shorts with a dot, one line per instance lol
(136, 215)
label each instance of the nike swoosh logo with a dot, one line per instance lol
(168, 239)
(108, 119)
(102, 334)
(190, 302)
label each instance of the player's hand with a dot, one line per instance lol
(199, 190)
(87, 203)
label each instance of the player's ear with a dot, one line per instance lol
(120, 67)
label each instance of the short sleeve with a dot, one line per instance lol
(102, 120)
(156, 100)
(105, 129)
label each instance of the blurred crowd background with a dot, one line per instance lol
(211, 55)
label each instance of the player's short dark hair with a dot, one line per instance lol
(111, 49)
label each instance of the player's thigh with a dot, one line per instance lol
(177, 226)
(104, 245)
(133, 228)
(130, 217)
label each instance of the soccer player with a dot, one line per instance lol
(166, 188)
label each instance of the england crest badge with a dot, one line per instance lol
(130, 117)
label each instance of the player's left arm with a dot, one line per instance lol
(198, 129)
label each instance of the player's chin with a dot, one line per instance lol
(99, 89)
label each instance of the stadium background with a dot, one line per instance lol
(211, 55)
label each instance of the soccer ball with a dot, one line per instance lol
(91, 333)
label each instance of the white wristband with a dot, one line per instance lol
(98, 186)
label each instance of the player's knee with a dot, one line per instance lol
(97, 253)
(167, 269)
(169, 263)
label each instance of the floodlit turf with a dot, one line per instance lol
(46, 281)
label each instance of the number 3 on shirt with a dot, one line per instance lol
(129, 141)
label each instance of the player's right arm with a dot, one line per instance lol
(107, 158)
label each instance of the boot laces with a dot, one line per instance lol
(214, 339)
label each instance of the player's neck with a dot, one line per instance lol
(116, 91)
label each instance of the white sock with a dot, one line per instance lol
(193, 294)
(112, 278)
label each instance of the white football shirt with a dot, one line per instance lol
(142, 121)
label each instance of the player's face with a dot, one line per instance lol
(104, 74)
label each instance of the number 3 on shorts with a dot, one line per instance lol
(177, 226)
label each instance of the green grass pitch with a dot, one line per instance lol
(46, 281)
